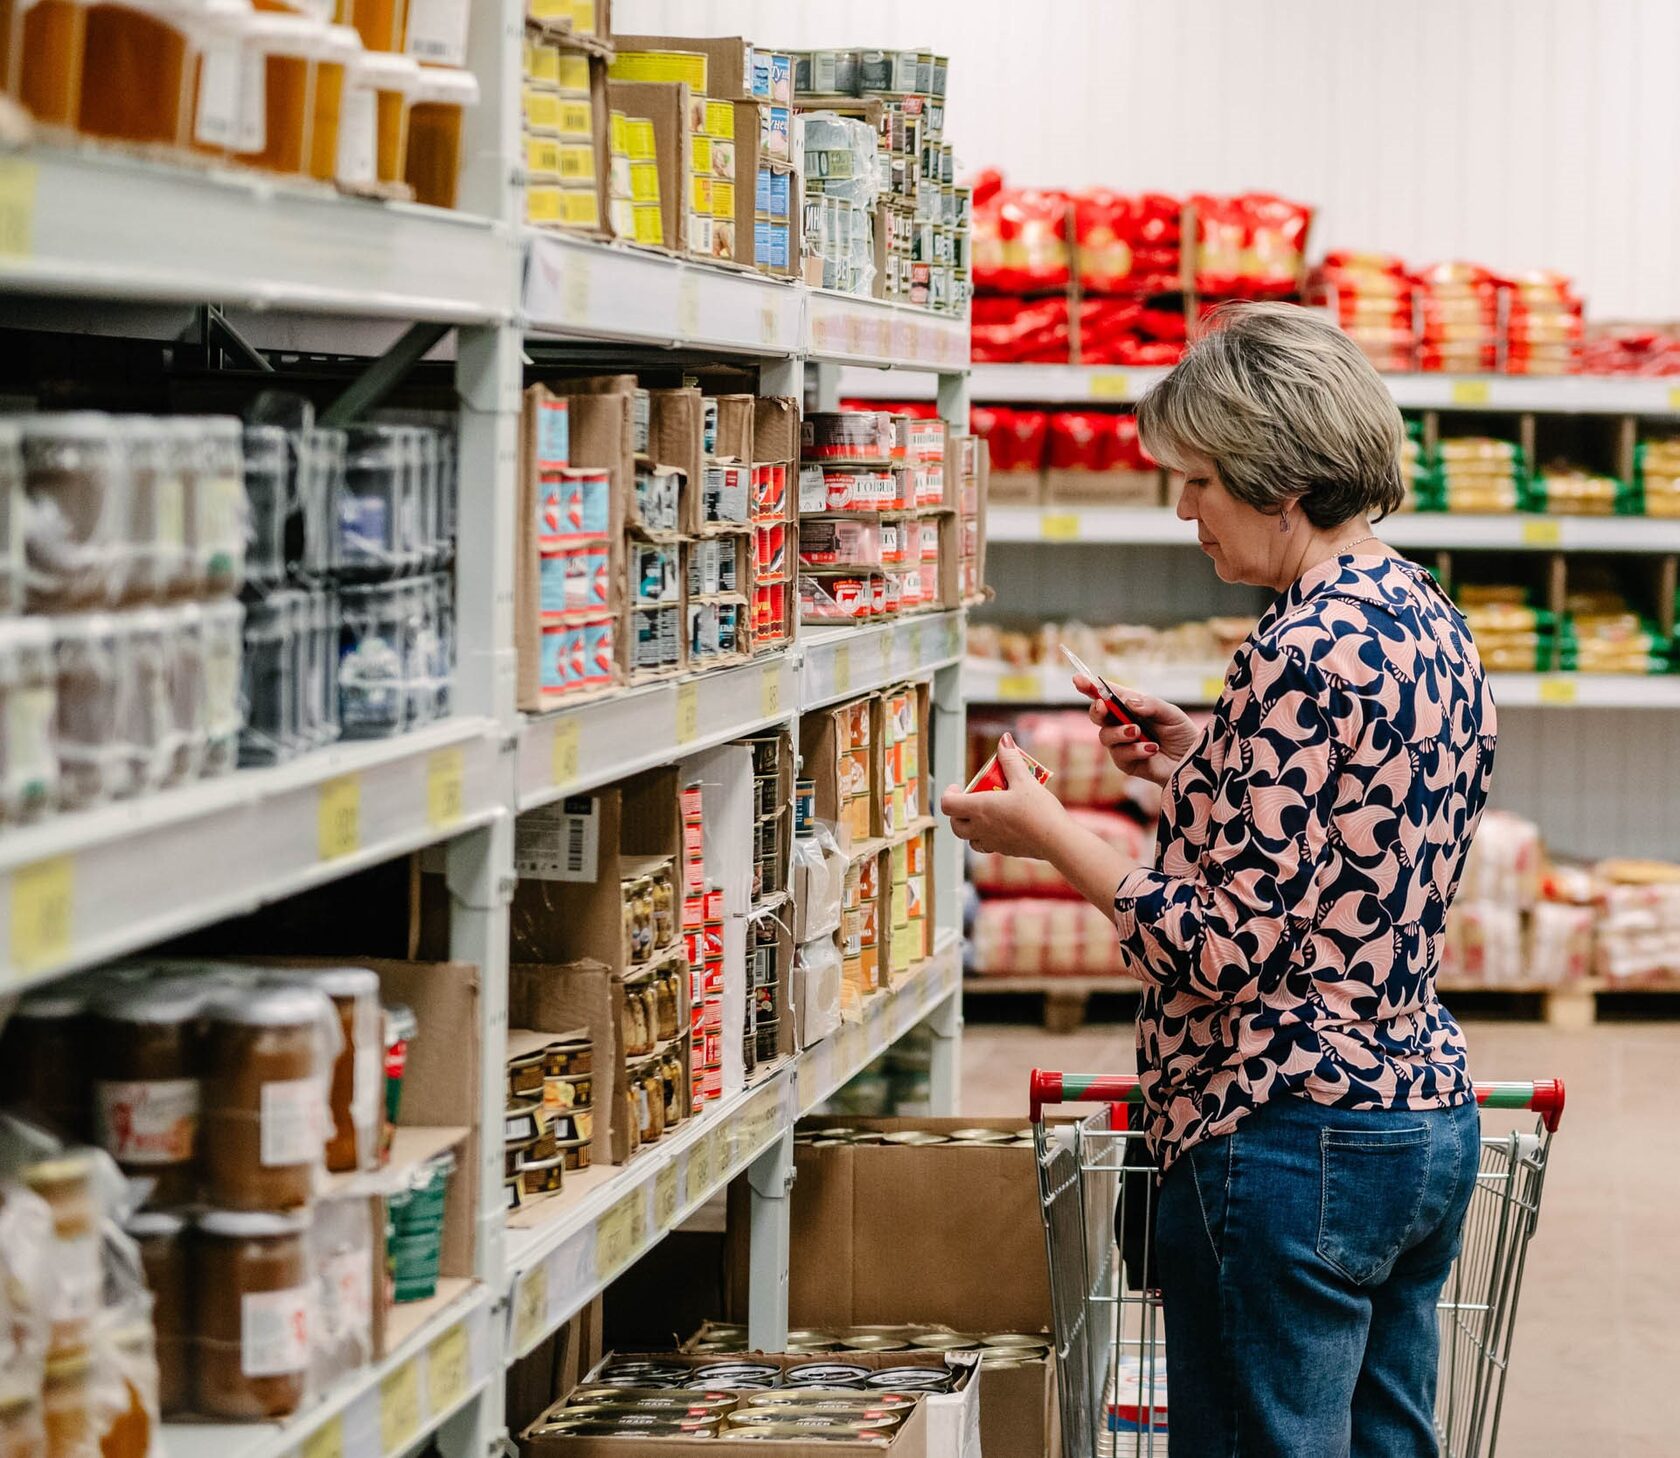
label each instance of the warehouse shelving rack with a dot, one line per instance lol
(101, 243)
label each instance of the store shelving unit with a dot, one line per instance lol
(106, 243)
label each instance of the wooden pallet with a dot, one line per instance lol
(1066, 1000)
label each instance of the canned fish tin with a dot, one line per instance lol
(804, 807)
(596, 1393)
(873, 1341)
(723, 1374)
(825, 1374)
(945, 1341)
(816, 1418)
(679, 1405)
(590, 1425)
(802, 1432)
(915, 1138)
(911, 1379)
(1017, 1339)
(980, 1136)
(831, 1396)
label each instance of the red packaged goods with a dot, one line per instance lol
(1025, 934)
(1017, 439)
(1020, 242)
(1251, 246)
(1543, 324)
(1458, 313)
(1020, 331)
(1123, 331)
(1371, 297)
(998, 875)
(991, 775)
(1129, 454)
(1631, 350)
(1128, 244)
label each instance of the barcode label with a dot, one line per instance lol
(559, 842)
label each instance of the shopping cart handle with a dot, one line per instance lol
(1544, 1096)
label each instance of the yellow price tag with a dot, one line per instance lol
(1674, 397)
(1107, 385)
(339, 817)
(530, 1309)
(665, 1198)
(327, 1441)
(1470, 392)
(1059, 526)
(448, 1370)
(445, 772)
(701, 1171)
(770, 692)
(688, 712)
(1212, 688)
(1542, 533)
(1017, 688)
(575, 287)
(17, 208)
(43, 896)
(843, 668)
(399, 1408)
(688, 306)
(565, 751)
(615, 1238)
(1557, 690)
(767, 324)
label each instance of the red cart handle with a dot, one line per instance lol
(1543, 1096)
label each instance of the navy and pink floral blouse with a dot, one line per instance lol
(1310, 844)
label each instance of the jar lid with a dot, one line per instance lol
(171, 1000)
(274, 1005)
(341, 43)
(385, 71)
(141, 427)
(82, 627)
(69, 425)
(246, 1224)
(447, 86)
(150, 1224)
(343, 981)
(281, 34)
(76, 1164)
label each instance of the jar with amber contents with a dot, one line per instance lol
(21, 1433)
(128, 1431)
(145, 1041)
(46, 1073)
(253, 1313)
(66, 1184)
(666, 992)
(67, 1406)
(671, 1070)
(267, 1058)
(48, 40)
(358, 1078)
(161, 1238)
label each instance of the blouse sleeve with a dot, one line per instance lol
(1226, 927)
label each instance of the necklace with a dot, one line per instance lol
(1347, 547)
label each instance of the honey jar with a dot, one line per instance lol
(253, 1314)
(435, 121)
(45, 1073)
(337, 48)
(50, 38)
(161, 1239)
(358, 1078)
(135, 71)
(288, 46)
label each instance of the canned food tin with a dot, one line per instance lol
(911, 1379)
(801, 1432)
(945, 1341)
(915, 1138)
(980, 1136)
(629, 1426)
(541, 1176)
(679, 1404)
(825, 1374)
(568, 1091)
(873, 1341)
(615, 1392)
(576, 1153)
(765, 1372)
(1016, 1339)
(525, 1075)
(816, 1418)
(839, 1396)
(568, 1056)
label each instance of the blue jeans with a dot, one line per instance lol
(1300, 1259)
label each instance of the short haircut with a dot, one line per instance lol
(1287, 408)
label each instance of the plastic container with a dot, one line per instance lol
(393, 80)
(318, 488)
(267, 473)
(382, 24)
(252, 1332)
(435, 123)
(28, 706)
(145, 1048)
(222, 624)
(76, 479)
(373, 661)
(339, 46)
(136, 71)
(147, 727)
(92, 762)
(268, 1056)
(11, 514)
(49, 40)
(370, 513)
(212, 458)
(269, 677)
(157, 508)
(288, 47)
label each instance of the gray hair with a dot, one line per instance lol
(1287, 408)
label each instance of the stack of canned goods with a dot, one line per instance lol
(828, 1138)
(999, 1349)
(549, 1124)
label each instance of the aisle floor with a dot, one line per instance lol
(1597, 1348)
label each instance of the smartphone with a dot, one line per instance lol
(1106, 691)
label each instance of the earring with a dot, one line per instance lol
(1283, 520)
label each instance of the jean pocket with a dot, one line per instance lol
(1374, 1186)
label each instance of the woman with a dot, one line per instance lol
(1305, 1091)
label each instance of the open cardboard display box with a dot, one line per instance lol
(936, 1235)
(941, 1425)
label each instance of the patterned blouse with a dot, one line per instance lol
(1310, 844)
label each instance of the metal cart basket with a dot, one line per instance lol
(1094, 1181)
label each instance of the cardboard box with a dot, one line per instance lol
(737, 415)
(725, 66)
(1101, 488)
(664, 105)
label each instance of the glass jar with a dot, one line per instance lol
(267, 493)
(46, 1074)
(67, 1406)
(188, 707)
(253, 1314)
(210, 118)
(382, 24)
(287, 46)
(76, 478)
(160, 1236)
(217, 513)
(66, 1184)
(393, 80)
(223, 624)
(146, 1055)
(128, 1431)
(50, 38)
(373, 664)
(267, 1060)
(147, 725)
(28, 706)
(435, 122)
(358, 1081)
(338, 47)
(268, 672)
(135, 72)
(157, 543)
(91, 761)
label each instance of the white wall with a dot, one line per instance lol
(1518, 133)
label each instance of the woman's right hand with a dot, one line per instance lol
(1151, 753)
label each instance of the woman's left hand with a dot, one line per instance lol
(1022, 820)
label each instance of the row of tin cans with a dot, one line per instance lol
(912, 1138)
(718, 1338)
(746, 1375)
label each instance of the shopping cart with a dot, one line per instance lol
(1095, 1177)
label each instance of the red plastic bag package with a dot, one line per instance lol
(1009, 330)
(1020, 242)
(1128, 244)
(1458, 312)
(1251, 246)
(1129, 332)
(1017, 439)
(1371, 296)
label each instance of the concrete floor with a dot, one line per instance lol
(1595, 1366)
